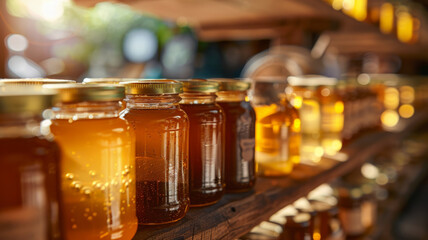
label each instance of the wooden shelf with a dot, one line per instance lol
(236, 214)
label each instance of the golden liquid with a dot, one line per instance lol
(332, 126)
(161, 163)
(310, 117)
(277, 140)
(98, 178)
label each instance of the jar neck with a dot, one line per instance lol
(231, 96)
(86, 110)
(169, 101)
(198, 98)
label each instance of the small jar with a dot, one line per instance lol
(162, 128)
(353, 212)
(332, 116)
(302, 93)
(98, 162)
(206, 142)
(277, 129)
(240, 134)
(29, 166)
(297, 228)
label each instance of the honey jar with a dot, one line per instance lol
(240, 134)
(277, 128)
(162, 167)
(206, 141)
(29, 166)
(98, 162)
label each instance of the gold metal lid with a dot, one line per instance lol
(109, 80)
(153, 87)
(71, 93)
(199, 86)
(311, 81)
(33, 81)
(228, 84)
(24, 99)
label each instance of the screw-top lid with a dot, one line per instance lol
(228, 84)
(33, 81)
(199, 86)
(108, 80)
(72, 93)
(311, 81)
(153, 87)
(24, 99)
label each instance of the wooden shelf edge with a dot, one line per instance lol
(236, 214)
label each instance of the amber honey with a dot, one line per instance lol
(29, 169)
(240, 135)
(277, 140)
(206, 142)
(98, 163)
(161, 128)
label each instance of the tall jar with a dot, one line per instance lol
(206, 142)
(332, 116)
(277, 129)
(162, 129)
(98, 162)
(302, 93)
(240, 134)
(29, 166)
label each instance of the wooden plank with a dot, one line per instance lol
(236, 214)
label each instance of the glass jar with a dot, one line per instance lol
(98, 162)
(240, 134)
(206, 142)
(332, 116)
(162, 129)
(297, 228)
(302, 94)
(277, 129)
(29, 166)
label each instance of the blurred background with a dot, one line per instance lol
(211, 38)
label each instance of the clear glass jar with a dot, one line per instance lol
(162, 129)
(206, 142)
(98, 162)
(277, 129)
(240, 134)
(302, 95)
(332, 117)
(29, 166)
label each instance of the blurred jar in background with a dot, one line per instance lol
(277, 128)
(297, 228)
(302, 92)
(332, 116)
(29, 166)
(240, 134)
(357, 209)
(206, 141)
(98, 162)
(162, 149)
